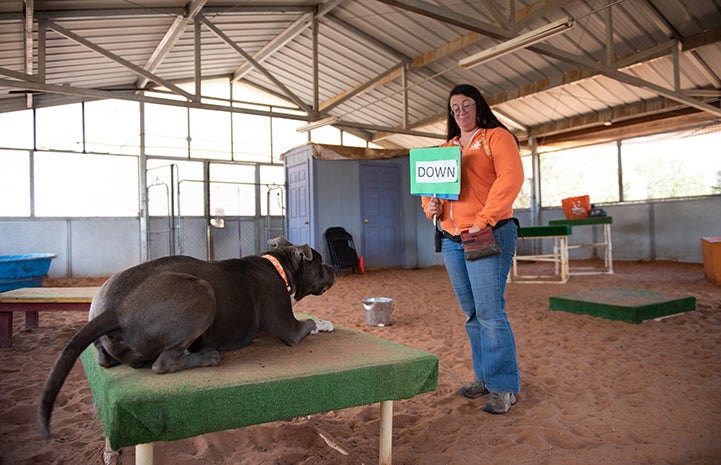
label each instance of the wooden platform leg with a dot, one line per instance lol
(609, 248)
(563, 244)
(6, 329)
(32, 319)
(386, 433)
(144, 454)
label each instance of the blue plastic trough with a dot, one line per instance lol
(26, 270)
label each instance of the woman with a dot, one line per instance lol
(491, 178)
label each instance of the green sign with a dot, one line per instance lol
(436, 171)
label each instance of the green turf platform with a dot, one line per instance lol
(583, 221)
(623, 304)
(544, 231)
(264, 382)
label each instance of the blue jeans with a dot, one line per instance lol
(480, 286)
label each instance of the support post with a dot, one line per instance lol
(385, 447)
(32, 319)
(144, 454)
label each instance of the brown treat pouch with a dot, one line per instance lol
(479, 244)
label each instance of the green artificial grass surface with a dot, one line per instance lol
(583, 221)
(628, 305)
(264, 382)
(544, 231)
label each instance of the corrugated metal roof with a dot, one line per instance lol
(664, 59)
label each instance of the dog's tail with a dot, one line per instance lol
(98, 326)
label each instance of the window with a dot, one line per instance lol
(73, 184)
(176, 185)
(672, 165)
(14, 183)
(589, 170)
(216, 88)
(251, 138)
(272, 190)
(166, 130)
(16, 129)
(524, 197)
(209, 134)
(252, 134)
(232, 190)
(60, 128)
(112, 126)
(285, 136)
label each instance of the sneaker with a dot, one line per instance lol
(473, 390)
(499, 402)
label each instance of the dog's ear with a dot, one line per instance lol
(304, 252)
(278, 242)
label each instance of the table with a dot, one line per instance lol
(263, 382)
(605, 245)
(559, 255)
(33, 300)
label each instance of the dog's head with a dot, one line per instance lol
(310, 274)
(279, 242)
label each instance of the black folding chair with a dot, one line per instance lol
(342, 249)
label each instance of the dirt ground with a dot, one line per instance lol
(594, 391)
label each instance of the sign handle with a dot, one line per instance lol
(436, 233)
(434, 216)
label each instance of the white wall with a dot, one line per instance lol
(89, 247)
(83, 247)
(663, 230)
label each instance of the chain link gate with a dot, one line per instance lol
(213, 237)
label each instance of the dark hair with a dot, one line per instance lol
(485, 118)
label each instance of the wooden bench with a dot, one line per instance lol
(559, 255)
(33, 300)
(264, 382)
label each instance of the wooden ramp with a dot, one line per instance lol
(623, 304)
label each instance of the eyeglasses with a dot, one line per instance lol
(465, 108)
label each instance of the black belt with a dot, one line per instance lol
(447, 235)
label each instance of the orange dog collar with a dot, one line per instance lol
(279, 269)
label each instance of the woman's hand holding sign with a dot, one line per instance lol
(435, 208)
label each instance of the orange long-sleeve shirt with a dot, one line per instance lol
(489, 183)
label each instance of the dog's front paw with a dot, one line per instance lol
(209, 357)
(322, 325)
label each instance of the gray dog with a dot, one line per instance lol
(178, 312)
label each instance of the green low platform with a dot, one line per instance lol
(544, 231)
(583, 221)
(623, 304)
(264, 382)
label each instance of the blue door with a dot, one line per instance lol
(299, 201)
(380, 185)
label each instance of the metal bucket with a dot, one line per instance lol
(378, 310)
